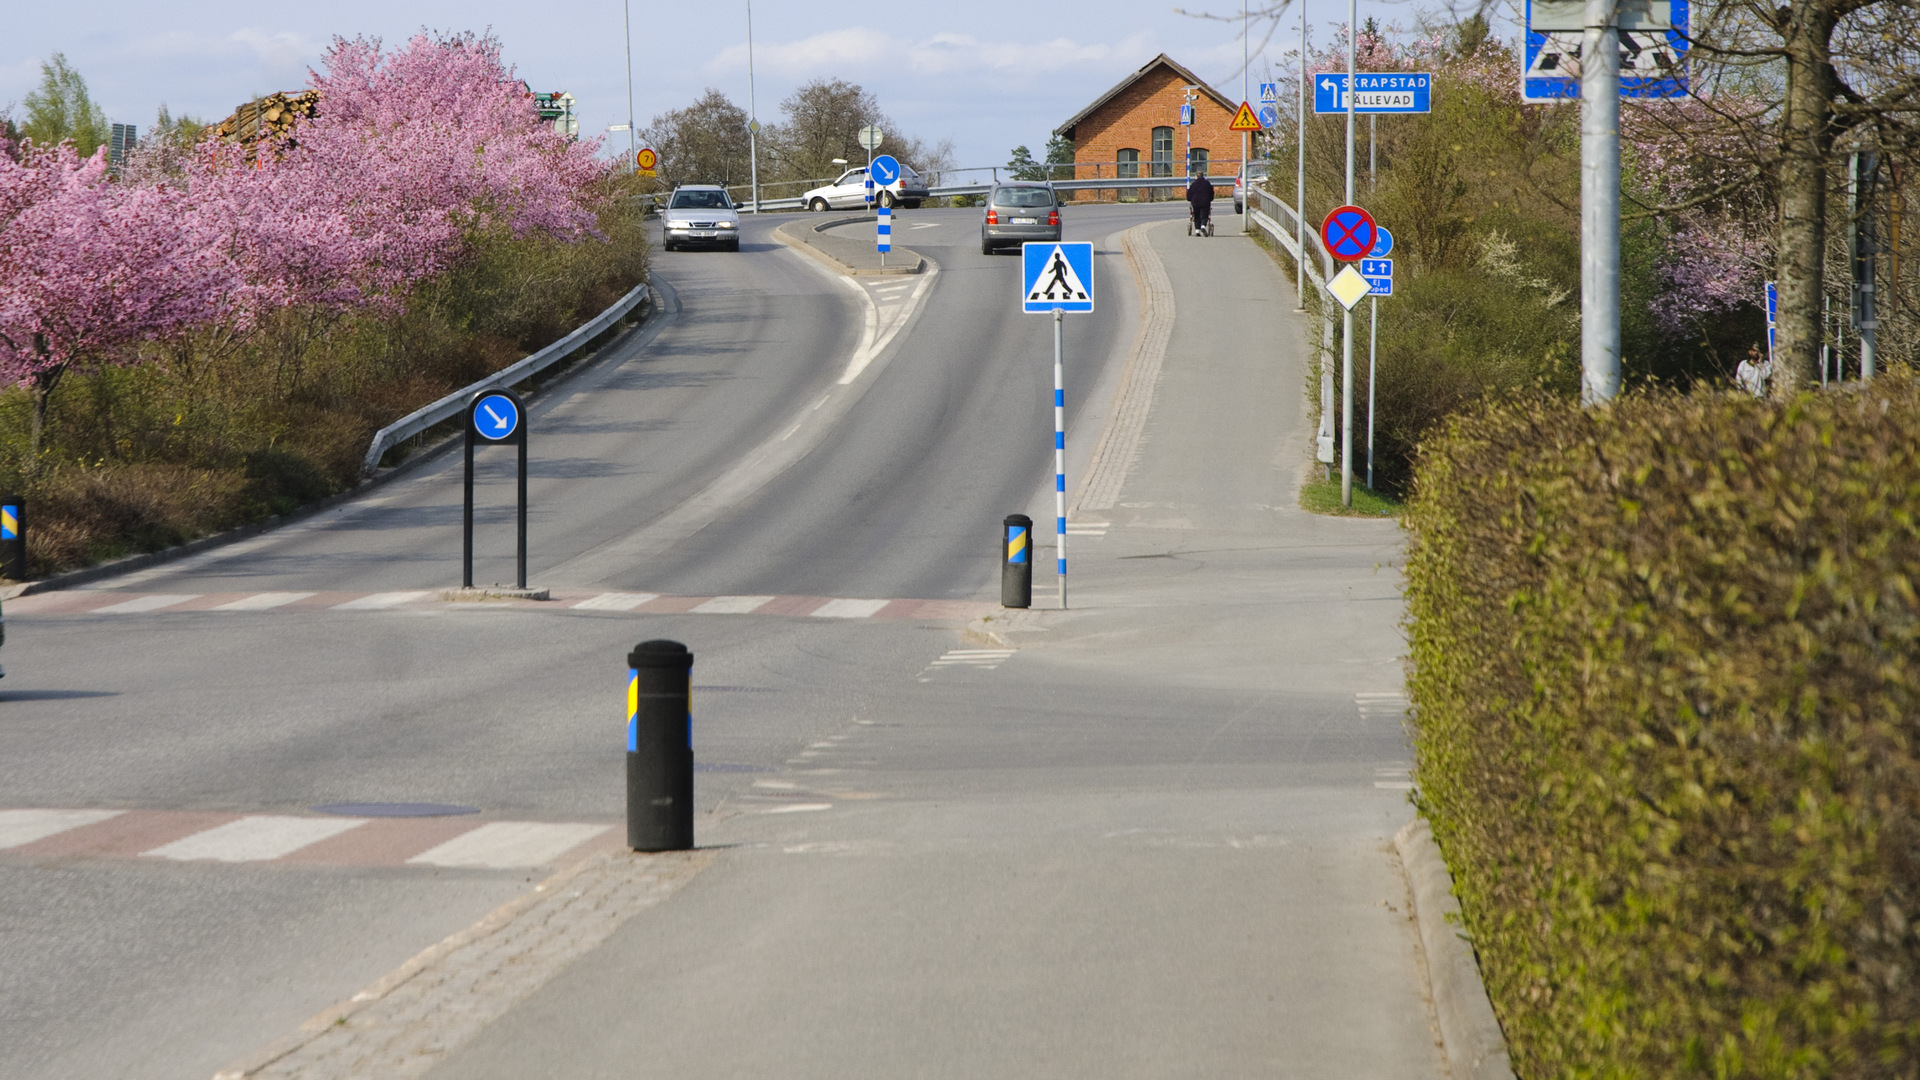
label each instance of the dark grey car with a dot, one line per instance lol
(1017, 213)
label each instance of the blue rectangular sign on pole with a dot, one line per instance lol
(1056, 277)
(1773, 317)
(886, 229)
(1652, 62)
(1379, 275)
(1380, 92)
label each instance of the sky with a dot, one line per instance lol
(987, 74)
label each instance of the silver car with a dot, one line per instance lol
(849, 192)
(700, 214)
(1018, 212)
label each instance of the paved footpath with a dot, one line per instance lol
(1146, 837)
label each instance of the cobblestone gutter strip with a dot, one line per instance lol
(1476, 1047)
(413, 1017)
(1119, 447)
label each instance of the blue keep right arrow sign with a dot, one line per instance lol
(496, 417)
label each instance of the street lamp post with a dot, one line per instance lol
(626, 7)
(753, 117)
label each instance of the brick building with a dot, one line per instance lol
(1134, 130)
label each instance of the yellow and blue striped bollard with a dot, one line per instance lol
(660, 747)
(1016, 562)
(13, 538)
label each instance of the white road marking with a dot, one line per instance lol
(263, 601)
(19, 827)
(981, 658)
(796, 808)
(1394, 785)
(1087, 528)
(379, 601)
(925, 225)
(509, 845)
(144, 603)
(616, 601)
(731, 605)
(255, 838)
(849, 609)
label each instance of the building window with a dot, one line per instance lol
(1163, 151)
(1129, 165)
(1197, 161)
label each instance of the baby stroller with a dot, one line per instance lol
(1198, 228)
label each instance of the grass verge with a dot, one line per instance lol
(1323, 497)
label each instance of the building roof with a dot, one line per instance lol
(1163, 58)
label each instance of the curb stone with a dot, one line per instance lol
(806, 236)
(1475, 1046)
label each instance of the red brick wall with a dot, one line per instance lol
(1128, 121)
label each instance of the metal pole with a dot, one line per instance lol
(1373, 335)
(626, 7)
(466, 520)
(1346, 343)
(1060, 453)
(1600, 206)
(753, 118)
(1300, 174)
(1863, 247)
(521, 583)
(1246, 138)
(1373, 130)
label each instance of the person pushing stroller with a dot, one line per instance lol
(1200, 198)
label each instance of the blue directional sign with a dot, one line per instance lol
(1382, 242)
(1773, 320)
(1380, 92)
(496, 417)
(1652, 62)
(1269, 91)
(1379, 275)
(884, 171)
(1268, 116)
(1056, 277)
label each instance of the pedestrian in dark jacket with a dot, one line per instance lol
(1200, 195)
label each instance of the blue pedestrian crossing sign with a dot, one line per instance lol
(496, 416)
(885, 171)
(1056, 277)
(1269, 92)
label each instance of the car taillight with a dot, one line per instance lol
(1053, 217)
(993, 218)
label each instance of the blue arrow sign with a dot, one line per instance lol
(496, 417)
(885, 171)
(1379, 275)
(1380, 92)
(1382, 243)
(1056, 277)
(1268, 116)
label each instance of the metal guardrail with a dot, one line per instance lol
(1274, 228)
(450, 406)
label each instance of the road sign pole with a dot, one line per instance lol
(520, 581)
(1346, 346)
(1300, 174)
(1600, 206)
(466, 520)
(1060, 451)
(1373, 336)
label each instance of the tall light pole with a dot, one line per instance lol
(753, 116)
(1246, 139)
(626, 7)
(1300, 176)
(1346, 320)
(1600, 204)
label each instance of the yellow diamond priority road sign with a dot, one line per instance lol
(1349, 287)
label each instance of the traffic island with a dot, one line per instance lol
(495, 592)
(849, 250)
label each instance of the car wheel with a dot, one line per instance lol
(986, 248)
(665, 244)
(886, 199)
(818, 206)
(734, 245)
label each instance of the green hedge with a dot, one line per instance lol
(1664, 673)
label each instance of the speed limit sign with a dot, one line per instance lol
(646, 161)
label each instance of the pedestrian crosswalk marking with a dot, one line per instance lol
(616, 601)
(263, 601)
(146, 603)
(88, 603)
(258, 838)
(732, 605)
(503, 845)
(379, 601)
(19, 827)
(849, 609)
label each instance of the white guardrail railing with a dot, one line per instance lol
(1261, 200)
(450, 406)
(1224, 183)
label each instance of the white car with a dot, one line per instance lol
(700, 214)
(850, 191)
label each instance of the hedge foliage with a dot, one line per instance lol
(1665, 661)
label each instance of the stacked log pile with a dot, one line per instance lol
(271, 118)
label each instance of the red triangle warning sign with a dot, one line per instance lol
(1244, 120)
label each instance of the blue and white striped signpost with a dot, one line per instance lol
(1057, 278)
(885, 237)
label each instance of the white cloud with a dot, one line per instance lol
(944, 53)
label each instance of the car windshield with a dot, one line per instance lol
(1023, 197)
(700, 200)
(852, 176)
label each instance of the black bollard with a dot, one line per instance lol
(1016, 562)
(13, 538)
(660, 747)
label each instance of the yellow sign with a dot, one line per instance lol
(1244, 120)
(646, 161)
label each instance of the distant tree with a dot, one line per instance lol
(1060, 158)
(705, 143)
(1021, 165)
(61, 109)
(824, 118)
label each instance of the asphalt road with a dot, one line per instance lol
(1147, 843)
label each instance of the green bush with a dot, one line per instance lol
(1665, 667)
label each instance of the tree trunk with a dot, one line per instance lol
(1807, 133)
(44, 381)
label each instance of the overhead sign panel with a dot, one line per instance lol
(1379, 92)
(1056, 277)
(1653, 49)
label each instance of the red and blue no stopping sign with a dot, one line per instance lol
(1349, 233)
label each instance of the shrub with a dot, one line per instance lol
(1664, 667)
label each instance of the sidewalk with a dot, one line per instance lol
(1154, 841)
